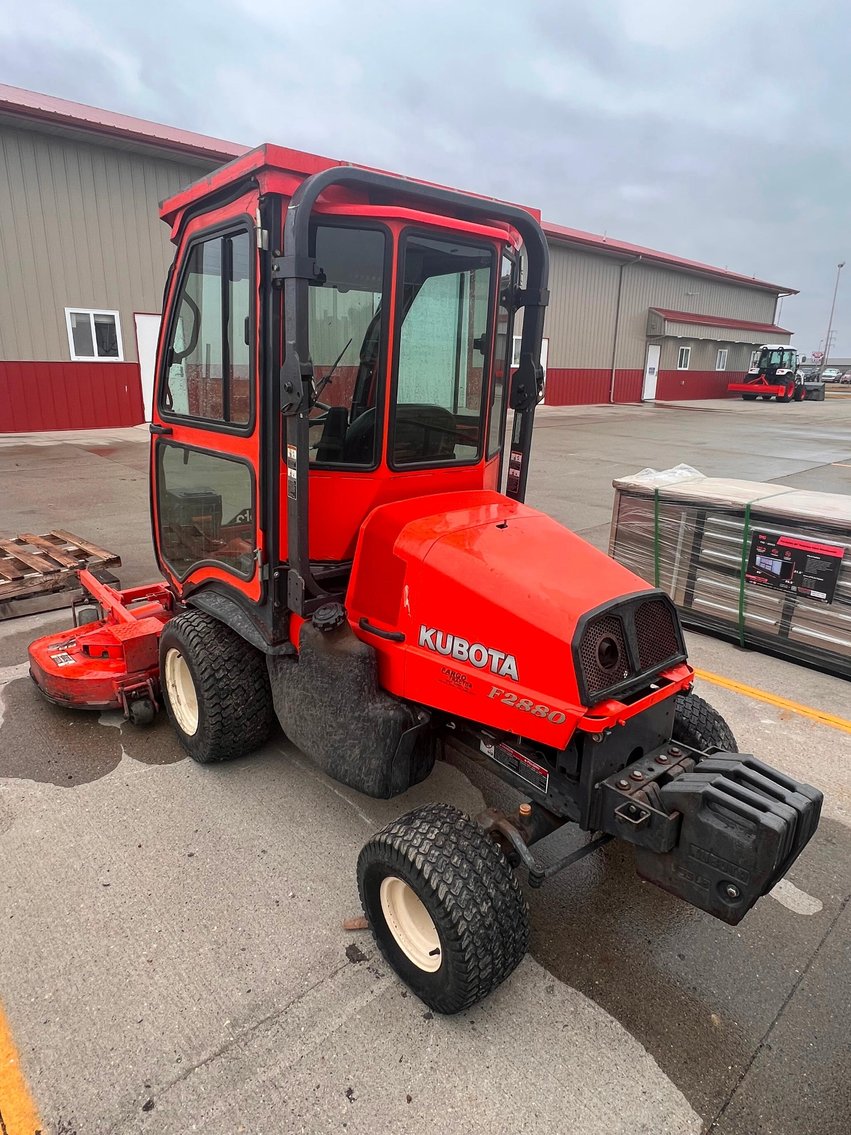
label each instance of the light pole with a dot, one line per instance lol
(839, 268)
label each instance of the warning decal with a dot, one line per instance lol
(798, 566)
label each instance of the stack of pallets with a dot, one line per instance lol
(39, 573)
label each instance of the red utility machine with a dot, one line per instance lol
(339, 517)
(775, 375)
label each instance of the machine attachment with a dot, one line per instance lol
(110, 659)
(742, 824)
(718, 831)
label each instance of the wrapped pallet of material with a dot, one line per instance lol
(766, 565)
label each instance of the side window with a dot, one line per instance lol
(209, 354)
(683, 358)
(205, 510)
(443, 351)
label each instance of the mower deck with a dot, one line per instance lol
(110, 658)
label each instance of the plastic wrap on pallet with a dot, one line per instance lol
(698, 538)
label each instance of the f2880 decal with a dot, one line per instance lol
(476, 653)
(537, 709)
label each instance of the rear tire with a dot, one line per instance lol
(444, 906)
(787, 397)
(215, 688)
(701, 727)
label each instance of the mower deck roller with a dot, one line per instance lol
(337, 510)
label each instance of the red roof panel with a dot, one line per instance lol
(720, 321)
(61, 112)
(607, 244)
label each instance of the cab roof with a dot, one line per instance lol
(279, 167)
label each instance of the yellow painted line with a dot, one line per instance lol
(772, 699)
(18, 1113)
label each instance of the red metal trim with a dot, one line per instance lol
(719, 321)
(45, 108)
(652, 255)
(608, 714)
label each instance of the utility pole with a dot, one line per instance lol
(839, 268)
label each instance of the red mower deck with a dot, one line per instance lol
(110, 659)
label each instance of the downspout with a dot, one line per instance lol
(624, 264)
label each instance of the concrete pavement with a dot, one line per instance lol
(173, 957)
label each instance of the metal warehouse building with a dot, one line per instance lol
(84, 257)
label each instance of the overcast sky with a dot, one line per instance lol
(719, 131)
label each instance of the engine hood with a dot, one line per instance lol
(492, 589)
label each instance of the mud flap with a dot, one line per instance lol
(330, 705)
(742, 825)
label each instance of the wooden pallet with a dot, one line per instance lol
(39, 573)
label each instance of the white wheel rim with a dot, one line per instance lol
(181, 692)
(410, 924)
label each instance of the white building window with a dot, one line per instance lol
(721, 359)
(93, 334)
(683, 357)
(515, 352)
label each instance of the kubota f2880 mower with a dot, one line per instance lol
(326, 469)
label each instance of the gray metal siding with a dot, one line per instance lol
(580, 319)
(704, 354)
(79, 227)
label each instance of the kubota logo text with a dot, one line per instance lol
(483, 657)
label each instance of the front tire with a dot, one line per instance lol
(701, 727)
(444, 906)
(215, 688)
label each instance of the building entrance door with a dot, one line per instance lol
(651, 372)
(147, 332)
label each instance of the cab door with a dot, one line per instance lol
(205, 454)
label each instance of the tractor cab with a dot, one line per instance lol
(775, 362)
(333, 339)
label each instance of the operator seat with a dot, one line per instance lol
(423, 432)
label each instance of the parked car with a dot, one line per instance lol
(831, 374)
(845, 377)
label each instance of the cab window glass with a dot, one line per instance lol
(345, 315)
(208, 364)
(443, 351)
(205, 510)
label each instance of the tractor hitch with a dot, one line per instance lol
(532, 824)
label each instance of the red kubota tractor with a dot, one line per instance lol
(329, 446)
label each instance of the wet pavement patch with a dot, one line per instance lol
(42, 742)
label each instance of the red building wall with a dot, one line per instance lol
(37, 396)
(578, 386)
(676, 385)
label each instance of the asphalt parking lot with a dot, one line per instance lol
(173, 957)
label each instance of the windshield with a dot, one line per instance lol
(443, 357)
(345, 325)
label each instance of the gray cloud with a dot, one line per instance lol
(720, 133)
